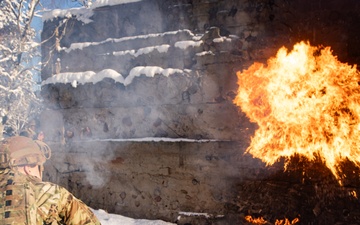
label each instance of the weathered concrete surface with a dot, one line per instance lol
(108, 168)
(154, 179)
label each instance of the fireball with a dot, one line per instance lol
(305, 102)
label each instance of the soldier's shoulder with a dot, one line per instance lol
(48, 187)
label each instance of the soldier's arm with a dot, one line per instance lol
(75, 212)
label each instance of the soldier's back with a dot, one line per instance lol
(17, 199)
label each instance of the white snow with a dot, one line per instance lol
(149, 71)
(205, 53)
(156, 139)
(180, 44)
(82, 14)
(142, 51)
(76, 78)
(99, 3)
(92, 77)
(221, 39)
(186, 44)
(114, 219)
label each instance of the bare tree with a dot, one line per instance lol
(18, 101)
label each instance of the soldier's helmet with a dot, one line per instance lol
(21, 151)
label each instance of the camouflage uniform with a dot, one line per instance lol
(27, 198)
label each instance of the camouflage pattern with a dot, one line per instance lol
(19, 151)
(27, 200)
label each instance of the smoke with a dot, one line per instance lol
(95, 173)
(95, 164)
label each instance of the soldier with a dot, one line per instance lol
(25, 198)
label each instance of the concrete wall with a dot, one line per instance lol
(155, 179)
(200, 166)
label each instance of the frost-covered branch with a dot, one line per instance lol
(18, 101)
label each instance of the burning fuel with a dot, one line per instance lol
(260, 221)
(305, 102)
(252, 220)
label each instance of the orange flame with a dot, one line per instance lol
(305, 102)
(252, 220)
(287, 221)
(261, 220)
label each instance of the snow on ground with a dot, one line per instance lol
(114, 219)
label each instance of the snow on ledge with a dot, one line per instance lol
(142, 51)
(152, 139)
(82, 14)
(100, 3)
(75, 78)
(162, 139)
(83, 45)
(185, 44)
